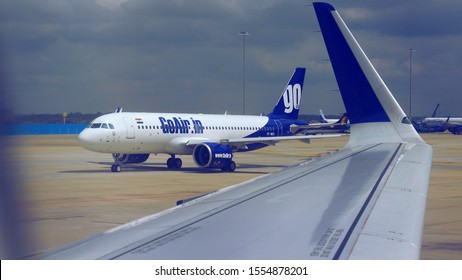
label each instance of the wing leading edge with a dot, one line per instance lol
(366, 201)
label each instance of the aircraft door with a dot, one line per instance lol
(280, 129)
(130, 125)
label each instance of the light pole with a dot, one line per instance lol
(243, 34)
(410, 83)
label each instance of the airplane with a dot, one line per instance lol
(439, 120)
(364, 201)
(437, 124)
(430, 127)
(341, 125)
(322, 118)
(210, 138)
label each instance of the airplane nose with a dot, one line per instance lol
(84, 140)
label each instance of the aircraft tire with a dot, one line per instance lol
(174, 163)
(116, 168)
(170, 163)
(177, 163)
(231, 167)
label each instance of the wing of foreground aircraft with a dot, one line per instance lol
(366, 201)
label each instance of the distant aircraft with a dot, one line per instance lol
(365, 201)
(431, 127)
(448, 120)
(211, 139)
(437, 124)
(444, 120)
(322, 118)
(341, 125)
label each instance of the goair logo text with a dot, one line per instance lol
(180, 126)
(292, 97)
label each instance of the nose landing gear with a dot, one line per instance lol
(116, 167)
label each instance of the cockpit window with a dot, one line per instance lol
(95, 125)
(101, 125)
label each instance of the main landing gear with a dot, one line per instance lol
(174, 163)
(116, 167)
(230, 167)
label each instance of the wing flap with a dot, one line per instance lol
(394, 228)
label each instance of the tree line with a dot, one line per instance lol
(71, 118)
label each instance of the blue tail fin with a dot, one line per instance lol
(289, 102)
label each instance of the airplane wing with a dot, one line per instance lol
(264, 140)
(275, 139)
(313, 126)
(365, 201)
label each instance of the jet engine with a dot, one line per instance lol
(130, 158)
(214, 155)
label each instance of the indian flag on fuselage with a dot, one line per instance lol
(139, 120)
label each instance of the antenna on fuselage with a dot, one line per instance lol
(119, 110)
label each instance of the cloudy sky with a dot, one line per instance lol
(186, 55)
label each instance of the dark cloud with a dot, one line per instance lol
(186, 56)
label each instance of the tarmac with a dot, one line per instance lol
(70, 193)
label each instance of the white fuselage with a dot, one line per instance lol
(442, 120)
(139, 133)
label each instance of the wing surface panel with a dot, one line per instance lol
(323, 206)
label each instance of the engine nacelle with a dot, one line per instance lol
(213, 155)
(131, 158)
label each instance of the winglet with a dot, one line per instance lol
(374, 114)
(289, 102)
